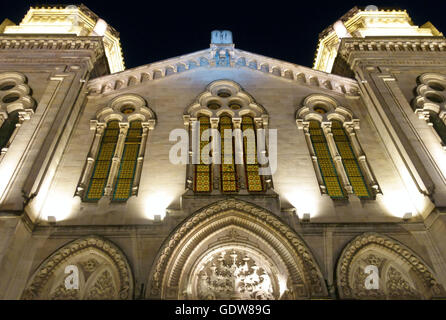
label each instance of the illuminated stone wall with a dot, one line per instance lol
(292, 241)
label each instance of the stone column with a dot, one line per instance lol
(99, 128)
(326, 126)
(123, 128)
(146, 126)
(365, 168)
(238, 152)
(190, 125)
(262, 123)
(216, 154)
(305, 126)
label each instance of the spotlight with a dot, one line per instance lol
(407, 216)
(306, 217)
(52, 219)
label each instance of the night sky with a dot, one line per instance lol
(157, 30)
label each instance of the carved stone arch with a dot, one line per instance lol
(125, 108)
(235, 95)
(246, 229)
(93, 256)
(15, 95)
(431, 95)
(319, 105)
(410, 276)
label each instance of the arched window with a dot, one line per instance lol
(253, 179)
(114, 162)
(325, 162)
(349, 161)
(226, 106)
(7, 128)
(126, 174)
(103, 162)
(430, 104)
(341, 165)
(438, 126)
(228, 172)
(203, 170)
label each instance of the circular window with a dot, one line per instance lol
(127, 109)
(436, 86)
(235, 106)
(434, 97)
(320, 110)
(214, 106)
(10, 98)
(224, 94)
(7, 86)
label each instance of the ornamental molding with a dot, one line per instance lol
(387, 244)
(396, 46)
(44, 272)
(168, 263)
(51, 42)
(226, 57)
(332, 110)
(236, 96)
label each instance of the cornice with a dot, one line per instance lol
(32, 42)
(226, 57)
(391, 47)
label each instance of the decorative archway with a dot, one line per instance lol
(103, 270)
(235, 250)
(401, 274)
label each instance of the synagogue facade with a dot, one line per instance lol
(122, 183)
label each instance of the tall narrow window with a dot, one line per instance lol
(253, 179)
(203, 170)
(326, 165)
(7, 128)
(438, 126)
(103, 162)
(349, 161)
(126, 175)
(228, 173)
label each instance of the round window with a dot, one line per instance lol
(235, 106)
(319, 109)
(434, 97)
(10, 98)
(7, 86)
(127, 109)
(214, 106)
(436, 86)
(224, 94)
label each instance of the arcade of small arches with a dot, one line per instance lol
(235, 250)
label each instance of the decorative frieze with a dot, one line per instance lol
(226, 57)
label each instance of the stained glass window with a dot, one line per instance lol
(253, 179)
(438, 125)
(349, 161)
(126, 174)
(203, 170)
(8, 127)
(228, 171)
(103, 162)
(326, 165)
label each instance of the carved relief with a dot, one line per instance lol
(264, 236)
(402, 275)
(234, 274)
(103, 273)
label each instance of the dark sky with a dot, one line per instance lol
(156, 30)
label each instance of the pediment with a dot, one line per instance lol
(223, 57)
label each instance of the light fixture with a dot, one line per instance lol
(407, 216)
(306, 217)
(157, 217)
(51, 219)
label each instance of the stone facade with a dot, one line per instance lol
(293, 240)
